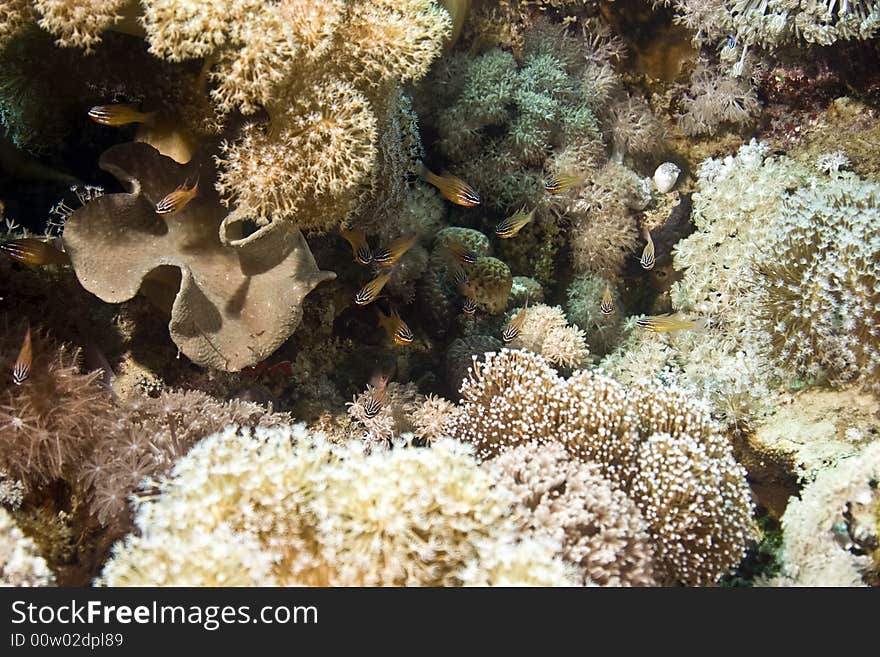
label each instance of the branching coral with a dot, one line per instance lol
(399, 517)
(601, 530)
(239, 297)
(20, 562)
(699, 517)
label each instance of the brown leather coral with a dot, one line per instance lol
(233, 298)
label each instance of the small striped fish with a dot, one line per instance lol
(369, 292)
(22, 368)
(388, 255)
(452, 188)
(396, 328)
(513, 224)
(359, 246)
(509, 334)
(647, 259)
(178, 199)
(606, 307)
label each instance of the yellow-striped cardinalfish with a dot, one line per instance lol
(458, 274)
(388, 255)
(177, 200)
(376, 399)
(371, 290)
(22, 368)
(460, 251)
(359, 247)
(647, 259)
(396, 328)
(513, 224)
(561, 182)
(452, 188)
(606, 307)
(31, 251)
(509, 334)
(118, 115)
(662, 323)
(469, 306)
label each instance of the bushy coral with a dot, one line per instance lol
(831, 535)
(818, 281)
(405, 516)
(384, 411)
(718, 97)
(601, 530)
(699, 517)
(777, 22)
(546, 331)
(783, 266)
(20, 561)
(148, 436)
(582, 307)
(329, 129)
(79, 24)
(50, 422)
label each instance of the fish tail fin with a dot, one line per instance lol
(426, 174)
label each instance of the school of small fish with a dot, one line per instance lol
(459, 257)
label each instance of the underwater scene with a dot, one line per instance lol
(440, 293)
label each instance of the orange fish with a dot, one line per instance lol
(388, 255)
(513, 224)
(515, 325)
(371, 290)
(452, 188)
(359, 246)
(31, 251)
(396, 328)
(22, 368)
(560, 183)
(177, 200)
(121, 114)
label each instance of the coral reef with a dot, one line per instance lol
(149, 436)
(831, 535)
(51, 422)
(582, 307)
(657, 445)
(405, 516)
(545, 331)
(239, 295)
(20, 562)
(600, 529)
